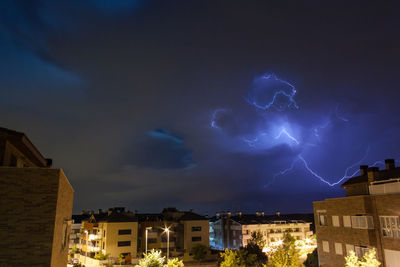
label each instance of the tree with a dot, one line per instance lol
(120, 258)
(312, 259)
(286, 255)
(174, 263)
(230, 258)
(368, 260)
(199, 252)
(74, 249)
(101, 256)
(257, 238)
(259, 256)
(154, 259)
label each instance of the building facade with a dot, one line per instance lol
(113, 232)
(368, 217)
(36, 205)
(234, 231)
(186, 230)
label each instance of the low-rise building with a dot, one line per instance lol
(368, 217)
(234, 230)
(186, 229)
(114, 232)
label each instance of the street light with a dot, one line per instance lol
(87, 240)
(167, 231)
(147, 233)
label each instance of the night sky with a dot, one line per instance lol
(210, 105)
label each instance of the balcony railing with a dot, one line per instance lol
(385, 187)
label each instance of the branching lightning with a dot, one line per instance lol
(283, 131)
(279, 94)
(289, 95)
(315, 174)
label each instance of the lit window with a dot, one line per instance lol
(346, 221)
(335, 221)
(323, 219)
(325, 246)
(390, 226)
(338, 248)
(362, 222)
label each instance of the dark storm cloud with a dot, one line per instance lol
(162, 150)
(86, 81)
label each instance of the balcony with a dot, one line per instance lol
(385, 187)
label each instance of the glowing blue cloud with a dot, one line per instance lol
(163, 150)
(263, 131)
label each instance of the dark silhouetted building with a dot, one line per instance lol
(35, 205)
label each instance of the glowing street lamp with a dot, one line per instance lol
(147, 233)
(167, 231)
(87, 246)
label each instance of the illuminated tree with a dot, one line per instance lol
(230, 258)
(154, 259)
(174, 263)
(286, 255)
(369, 260)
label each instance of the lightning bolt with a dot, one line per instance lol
(290, 96)
(283, 131)
(316, 175)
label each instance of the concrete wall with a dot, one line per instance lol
(34, 204)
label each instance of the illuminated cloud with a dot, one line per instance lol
(162, 150)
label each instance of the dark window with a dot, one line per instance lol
(104, 233)
(196, 228)
(124, 243)
(13, 161)
(125, 232)
(196, 238)
(171, 239)
(152, 240)
(103, 245)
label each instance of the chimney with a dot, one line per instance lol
(49, 163)
(389, 164)
(278, 213)
(228, 214)
(363, 169)
(257, 213)
(239, 213)
(100, 211)
(373, 173)
(262, 213)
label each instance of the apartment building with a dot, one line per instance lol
(113, 232)
(75, 235)
(186, 230)
(368, 217)
(36, 205)
(234, 231)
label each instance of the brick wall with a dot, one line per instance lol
(34, 204)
